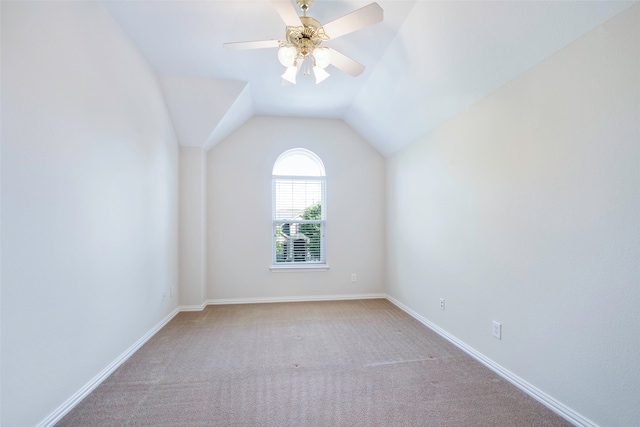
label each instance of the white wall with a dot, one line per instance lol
(89, 202)
(192, 292)
(524, 209)
(239, 210)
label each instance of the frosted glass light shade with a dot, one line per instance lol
(321, 74)
(287, 55)
(322, 57)
(290, 74)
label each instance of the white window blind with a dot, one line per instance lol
(299, 217)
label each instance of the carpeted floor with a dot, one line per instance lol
(338, 363)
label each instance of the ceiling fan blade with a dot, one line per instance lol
(287, 12)
(252, 45)
(356, 20)
(346, 64)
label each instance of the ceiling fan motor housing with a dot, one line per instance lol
(306, 37)
(308, 21)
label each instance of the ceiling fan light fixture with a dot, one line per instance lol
(321, 74)
(322, 57)
(287, 55)
(305, 35)
(290, 74)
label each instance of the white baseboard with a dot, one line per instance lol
(98, 379)
(542, 397)
(293, 299)
(192, 307)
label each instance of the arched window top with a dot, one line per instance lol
(298, 162)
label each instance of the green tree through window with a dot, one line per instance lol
(312, 231)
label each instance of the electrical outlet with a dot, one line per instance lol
(441, 303)
(497, 330)
(354, 278)
(171, 291)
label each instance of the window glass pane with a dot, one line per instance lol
(298, 163)
(294, 197)
(297, 242)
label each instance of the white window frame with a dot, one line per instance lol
(307, 265)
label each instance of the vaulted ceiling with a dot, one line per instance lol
(427, 60)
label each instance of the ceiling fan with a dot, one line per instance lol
(303, 45)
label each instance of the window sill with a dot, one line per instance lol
(299, 268)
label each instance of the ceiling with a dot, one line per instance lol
(427, 60)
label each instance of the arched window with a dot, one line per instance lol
(299, 209)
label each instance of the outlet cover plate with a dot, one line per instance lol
(497, 330)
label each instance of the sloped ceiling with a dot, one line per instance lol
(204, 111)
(426, 61)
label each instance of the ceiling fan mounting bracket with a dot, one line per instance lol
(304, 5)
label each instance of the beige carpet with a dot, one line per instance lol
(343, 363)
